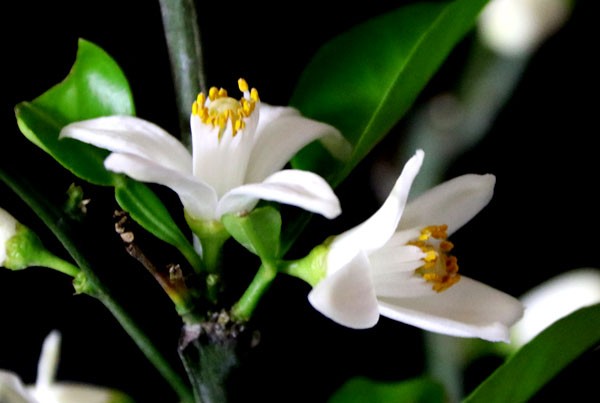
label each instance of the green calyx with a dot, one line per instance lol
(212, 235)
(312, 268)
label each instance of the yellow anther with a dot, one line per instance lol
(425, 235)
(218, 108)
(451, 264)
(439, 268)
(203, 113)
(446, 246)
(212, 93)
(435, 231)
(430, 256)
(242, 85)
(431, 276)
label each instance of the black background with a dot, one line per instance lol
(542, 221)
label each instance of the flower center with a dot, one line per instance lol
(219, 110)
(440, 268)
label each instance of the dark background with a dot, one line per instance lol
(542, 221)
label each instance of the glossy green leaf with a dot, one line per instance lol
(258, 231)
(95, 87)
(364, 80)
(419, 390)
(541, 359)
(148, 210)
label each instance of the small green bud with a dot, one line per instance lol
(23, 249)
(75, 206)
(20, 248)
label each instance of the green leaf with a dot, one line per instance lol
(95, 87)
(148, 210)
(258, 231)
(541, 359)
(359, 390)
(364, 80)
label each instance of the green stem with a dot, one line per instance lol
(54, 262)
(243, 309)
(144, 344)
(182, 34)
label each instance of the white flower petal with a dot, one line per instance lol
(453, 202)
(294, 187)
(48, 362)
(347, 296)
(221, 162)
(379, 228)
(198, 199)
(283, 135)
(78, 393)
(400, 284)
(128, 134)
(12, 389)
(467, 309)
(269, 113)
(8, 228)
(401, 238)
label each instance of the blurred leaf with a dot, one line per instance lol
(148, 210)
(541, 359)
(364, 80)
(419, 390)
(258, 231)
(95, 87)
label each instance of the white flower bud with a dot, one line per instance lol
(517, 27)
(555, 299)
(8, 228)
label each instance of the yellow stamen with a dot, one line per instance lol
(242, 85)
(212, 93)
(221, 109)
(439, 268)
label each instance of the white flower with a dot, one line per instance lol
(518, 27)
(239, 148)
(397, 264)
(555, 299)
(8, 229)
(46, 390)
